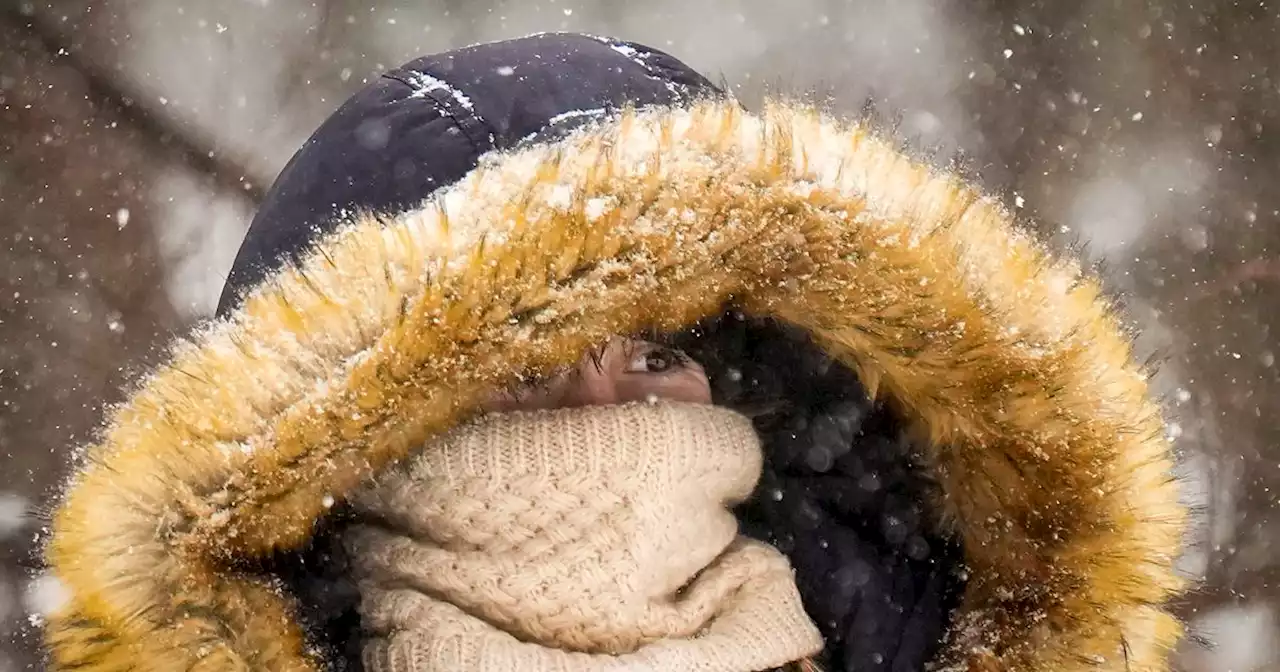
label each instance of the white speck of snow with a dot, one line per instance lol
(13, 513)
(1008, 53)
(424, 84)
(122, 218)
(1183, 395)
(1059, 283)
(44, 596)
(1017, 28)
(633, 54)
(597, 207)
(1137, 116)
(568, 12)
(1019, 201)
(561, 197)
(573, 114)
(327, 501)
(506, 70)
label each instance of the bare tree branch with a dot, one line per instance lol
(1255, 270)
(109, 90)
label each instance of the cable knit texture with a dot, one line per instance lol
(573, 540)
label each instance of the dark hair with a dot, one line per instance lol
(840, 494)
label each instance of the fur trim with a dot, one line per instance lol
(1049, 452)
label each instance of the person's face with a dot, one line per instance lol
(625, 370)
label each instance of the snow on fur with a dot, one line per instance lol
(1050, 455)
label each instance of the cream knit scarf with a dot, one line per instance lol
(575, 540)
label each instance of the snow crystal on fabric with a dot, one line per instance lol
(425, 84)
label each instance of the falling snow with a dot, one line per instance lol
(1145, 134)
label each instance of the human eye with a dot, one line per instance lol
(654, 358)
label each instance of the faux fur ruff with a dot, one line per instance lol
(1049, 453)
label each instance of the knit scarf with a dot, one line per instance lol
(575, 540)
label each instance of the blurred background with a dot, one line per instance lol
(137, 135)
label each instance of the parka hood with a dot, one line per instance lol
(1007, 363)
(424, 125)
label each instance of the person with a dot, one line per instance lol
(583, 523)
(454, 408)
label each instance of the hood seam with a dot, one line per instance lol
(470, 124)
